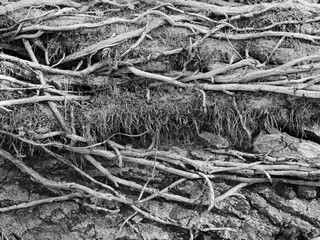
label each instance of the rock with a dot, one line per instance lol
(150, 231)
(307, 192)
(298, 212)
(237, 205)
(285, 191)
(262, 48)
(289, 232)
(191, 189)
(214, 140)
(13, 193)
(182, 215)
(284, 145)
(220, 50)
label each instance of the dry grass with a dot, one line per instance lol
(175, 115)
(124, 110)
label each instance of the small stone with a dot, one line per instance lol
(179, 151)
(214, 140)
(307, 192)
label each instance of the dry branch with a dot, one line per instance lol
(257, 87)
(128, 4)
(211, 74)
(235, 87)
(42, 80)
(211, 191)
(47, 88)
(246, 36)
(304, 171)
(81, 188)
(69, 164)
(241, 11)
(46, 28)
(252, 180)
(71, 136)
(57, 185)
(154, 24)
(262, 74)
(283, 169)
(160, 193)
(42, 99)
(101, 169)
(285, 69)
(42, 201)
(29, 64)
(165, 79)
(14, 6)
(218, 10)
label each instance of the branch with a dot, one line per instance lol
(211, 74)
(42, 99)
(29, 64)
(47, 88)
(42, 201)
(57, 185)
(158, 77)
(101, 169)
(69, 164)
(120, 38)
(258, 87)
(242, 11)
(245, 36)
(14, 6)
(211, 191)
(51, 104)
